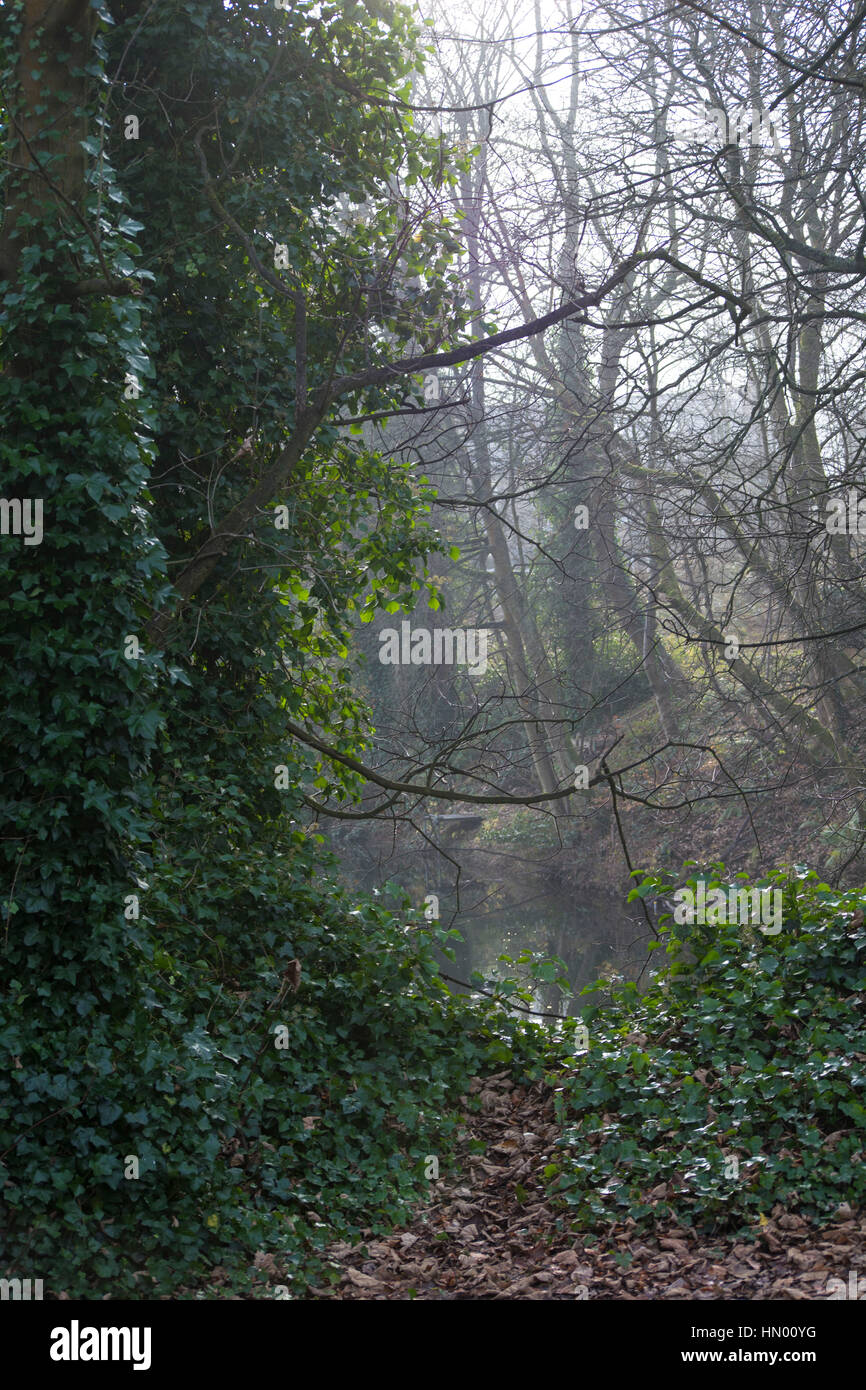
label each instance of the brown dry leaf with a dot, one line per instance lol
(362, 1281)
(340, 1249)
(465, 1208)
(789, 1222)
(519, 1286)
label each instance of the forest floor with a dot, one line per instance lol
(489, 1231)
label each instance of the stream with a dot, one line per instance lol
(503, 902)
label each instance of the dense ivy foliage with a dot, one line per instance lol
(156, 880)
(747, 1046)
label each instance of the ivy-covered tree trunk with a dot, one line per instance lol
(78, 710)
(49, 46)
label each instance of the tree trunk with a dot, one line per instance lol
(47, 122)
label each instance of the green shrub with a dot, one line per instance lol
(745, 1047)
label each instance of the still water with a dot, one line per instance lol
(501, 902)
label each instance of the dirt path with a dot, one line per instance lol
(489, 1232)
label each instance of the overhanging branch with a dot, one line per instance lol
(236, 523)
(424, 790)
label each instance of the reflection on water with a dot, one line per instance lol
(503, 903)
